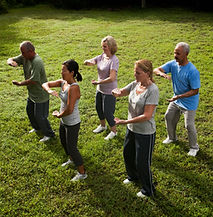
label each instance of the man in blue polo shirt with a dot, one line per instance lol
(186, 83)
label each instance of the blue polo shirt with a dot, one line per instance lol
(184, 79)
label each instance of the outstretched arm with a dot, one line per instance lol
(160, 72)
(120, 92)
(184, 95)
(11, 62)
(48, 85)
(148, 111)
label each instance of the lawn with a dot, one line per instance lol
(32, 181)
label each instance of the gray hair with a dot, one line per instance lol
(184, 45)
(111, 43)
(28, 45)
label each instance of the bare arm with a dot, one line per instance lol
(73, 95)
(111, 78)
(90, 62)
(48, 85)
(160, 72)
(23, 83)
(187, 94)
(11, 62)
(148, 111)
(120, 92)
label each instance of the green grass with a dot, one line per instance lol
(32, 182)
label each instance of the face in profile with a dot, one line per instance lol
(179, 54)
(26, 53)
(105, 48)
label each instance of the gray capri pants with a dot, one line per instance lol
(105, 107)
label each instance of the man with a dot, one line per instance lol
(38, 99)
(186, 83)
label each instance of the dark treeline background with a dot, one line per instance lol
(205, 5)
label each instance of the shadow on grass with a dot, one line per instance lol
(200, 185)
(111, 196)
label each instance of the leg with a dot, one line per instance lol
(99, 108)
(109, 109)
(172, 117)
(144, 148)
(41, 115)
(71, 144)
(62, 134)
(129, 155)
(189, 117)
(30, 112)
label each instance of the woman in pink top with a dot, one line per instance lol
(107, 65)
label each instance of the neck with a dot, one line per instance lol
(108, 55)
(184, 62)
(146, 83)
(71, 80)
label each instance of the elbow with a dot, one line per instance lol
(69, 111)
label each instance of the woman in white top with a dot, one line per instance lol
(141, 128)
(107, 65)
(69, 113)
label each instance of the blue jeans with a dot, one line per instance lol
(38, 114)
(137, 157)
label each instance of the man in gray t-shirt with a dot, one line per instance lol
(38, 99)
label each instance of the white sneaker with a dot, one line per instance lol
(127, 181)
(99, 129)
(66, 163)
(79, 176)
(33, 130)
(111, 135)
(193, 152)
(44, 139)
(167, 140)
(140, 194)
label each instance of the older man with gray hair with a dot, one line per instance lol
(38, 99)
(186, 83)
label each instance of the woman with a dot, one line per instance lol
(140, 134)
(107, 65)
(69, 113)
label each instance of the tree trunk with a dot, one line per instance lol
(143, 3)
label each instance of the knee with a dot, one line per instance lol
(190, 127)
(168, 116)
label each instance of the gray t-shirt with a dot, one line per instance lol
(104, 65)
(34, 71)
(136, 107)
(73, 118)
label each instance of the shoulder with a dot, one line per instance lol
(191, 66)
(37, 60)
(114, 57)
(74, 87)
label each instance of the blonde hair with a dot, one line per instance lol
(111, 44)
(146, 66)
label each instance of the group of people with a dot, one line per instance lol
(143, 99)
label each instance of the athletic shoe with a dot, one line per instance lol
(167, 140)
(127, 181)
(44, 139)
(99, 129)
(79, 176)
(111, 135)
(193, 152)
(140, 194)
(33, 130)
(66, 163)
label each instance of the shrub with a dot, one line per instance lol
(3, 7)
